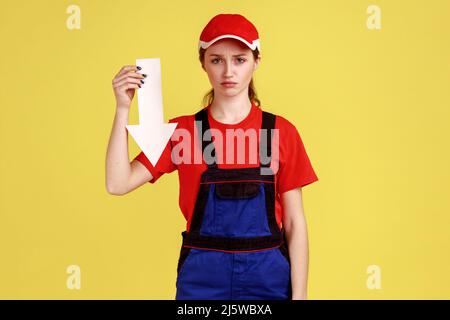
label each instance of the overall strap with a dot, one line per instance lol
(201, 120)
(265, 143)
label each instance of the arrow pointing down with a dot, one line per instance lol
(151, 134)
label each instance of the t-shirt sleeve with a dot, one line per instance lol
(164, 164)
(295, 169)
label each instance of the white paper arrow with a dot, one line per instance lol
(151, 134)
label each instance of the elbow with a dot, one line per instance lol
(113, 190)
(287, 225)
(293, 221)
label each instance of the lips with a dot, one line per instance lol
(228, 82)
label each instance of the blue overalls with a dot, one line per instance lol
(234, 249)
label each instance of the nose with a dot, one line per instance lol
(228, 69)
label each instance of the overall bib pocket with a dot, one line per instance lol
(240, 190)
(238, 209)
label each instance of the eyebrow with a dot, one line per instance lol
(236, 55)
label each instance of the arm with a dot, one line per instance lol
(121, 176)
(294, 223)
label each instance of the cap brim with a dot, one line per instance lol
(253, 46)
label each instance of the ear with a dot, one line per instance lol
(257, 61)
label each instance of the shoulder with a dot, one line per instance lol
(288, 135)
(284, 125)
(184, 121)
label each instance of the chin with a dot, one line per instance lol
(234, 89)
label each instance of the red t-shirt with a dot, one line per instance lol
(294, 167)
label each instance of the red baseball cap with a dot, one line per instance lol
(228, 25)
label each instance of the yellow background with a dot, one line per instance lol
(372, 107)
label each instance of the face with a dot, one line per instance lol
(229, 60)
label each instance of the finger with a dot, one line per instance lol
(127, 86)
(128, 80)
(131, 74)
(127, 68)
(123, 70)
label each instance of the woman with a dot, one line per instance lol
(246, 235)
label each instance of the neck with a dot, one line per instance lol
(230, 110)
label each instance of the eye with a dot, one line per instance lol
(242, 60)
(214, 60)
